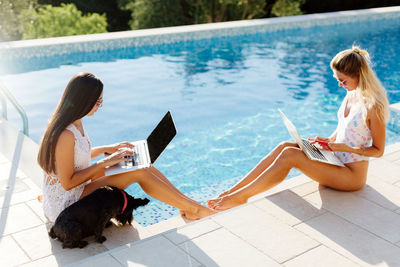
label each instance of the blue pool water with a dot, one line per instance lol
(223, 93)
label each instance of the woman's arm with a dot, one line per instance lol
(378, 133)
(329, 139)
(64, 155)
(97, 151)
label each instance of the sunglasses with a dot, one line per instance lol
(99, 102)
(342, 82)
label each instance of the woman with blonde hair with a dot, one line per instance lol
(65, 155)
(360, 134)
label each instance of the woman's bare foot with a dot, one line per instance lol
(224, 194)
(198, 213)
(210, 202)
(224, 203)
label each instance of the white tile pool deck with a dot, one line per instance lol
(297, 224)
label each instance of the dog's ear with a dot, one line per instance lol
(138, 202)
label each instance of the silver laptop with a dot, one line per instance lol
(312, 152)
(147, 151)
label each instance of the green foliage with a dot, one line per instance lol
(287, 8)
(207, 11)
(154, 13)
(243, 9)
(117, 19)
(162, 13)
(49, 21)
(9, 12)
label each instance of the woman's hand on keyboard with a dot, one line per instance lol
(116, 157)
(319, 138)
(323, 142)
(110, 149)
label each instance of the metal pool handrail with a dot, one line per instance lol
(5, 93)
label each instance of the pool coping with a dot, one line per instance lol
(115, 40)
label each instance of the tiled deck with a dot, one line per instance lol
(297, 224)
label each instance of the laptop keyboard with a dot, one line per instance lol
(313, 150)
(135, 159)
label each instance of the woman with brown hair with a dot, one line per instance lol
(65, 155)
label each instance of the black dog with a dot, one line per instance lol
(90, 215)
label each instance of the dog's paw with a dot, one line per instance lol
(52, 234)
(83, 244)
(68, 244)
(108, 224)
(101, 239)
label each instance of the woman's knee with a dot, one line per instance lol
(288, 156)
(285, 144)
(142, 174)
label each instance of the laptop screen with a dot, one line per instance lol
(161, 136)
(291, 129)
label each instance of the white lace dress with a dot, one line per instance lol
(55, 197)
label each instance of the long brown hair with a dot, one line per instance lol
(355, 63)
(79, 97)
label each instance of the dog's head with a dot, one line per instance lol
(133, 203)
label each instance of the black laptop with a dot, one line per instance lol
(147, 151)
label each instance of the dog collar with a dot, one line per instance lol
(125, 201)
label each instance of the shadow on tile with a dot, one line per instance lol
(116, 236)
(353, 226)
(158, 251)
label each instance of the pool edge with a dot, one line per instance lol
(115, 40)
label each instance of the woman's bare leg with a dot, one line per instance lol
(258, 169)
(348, 178)
(154, 187)
(162, 177)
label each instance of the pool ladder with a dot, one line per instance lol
(4, 93)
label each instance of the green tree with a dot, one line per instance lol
(49, 21)
(155, 13)
(9, 12)
(162, 13)
(117, 19)
(207, 11)
(287, 8)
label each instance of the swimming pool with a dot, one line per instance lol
(223, 93)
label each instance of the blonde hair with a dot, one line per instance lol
(355, 62)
